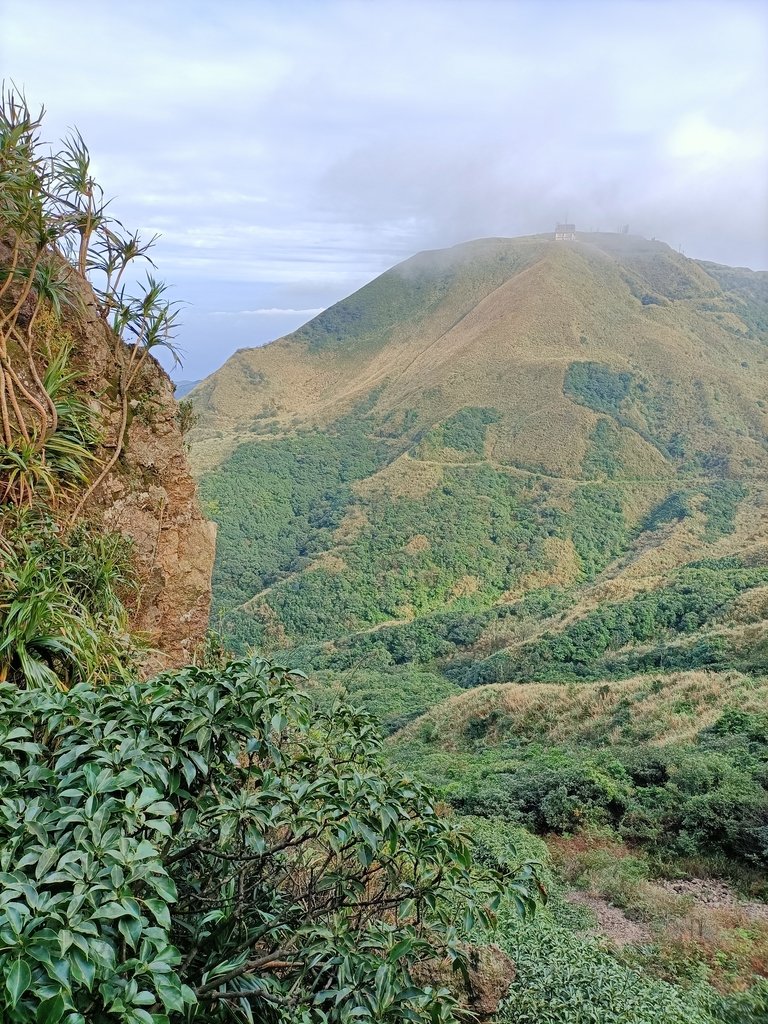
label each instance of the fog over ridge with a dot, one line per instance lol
(288, 155)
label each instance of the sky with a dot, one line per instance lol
(288, 152)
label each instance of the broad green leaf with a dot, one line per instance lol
(18, 980)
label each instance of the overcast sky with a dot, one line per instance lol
(288, 152)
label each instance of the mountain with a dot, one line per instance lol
(181, 388)
(514, 459)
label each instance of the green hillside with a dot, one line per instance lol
(511, 460)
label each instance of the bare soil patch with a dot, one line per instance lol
(714, 894)
(611, 922)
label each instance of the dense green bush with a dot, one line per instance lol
(457, 550)
(603, 458)
(720, 507)
(707, 799)
(463, 432)
(597, 386)
(673, 508)
(209, 846)
(599, 530)
(442, 637)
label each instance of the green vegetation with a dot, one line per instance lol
(504, 457)
(442, 638)
(706, 800)
(597, 386)
(749, 292)
(463, 432)
(441, 561)
(373, 312)
(564, 974)
(722, 501)
(599, 529)
(393, 697)
(229, 842)
(55, 226)
(646, 409)
(277, 503)
(477, 523)
(208, 844)
(673, 508)
(485, 547)
(603, 458)
(696, 596)
(62, 616)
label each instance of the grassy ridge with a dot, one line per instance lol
(676, 763)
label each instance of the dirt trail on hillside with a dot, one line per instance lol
(611, 922)
(705, 896)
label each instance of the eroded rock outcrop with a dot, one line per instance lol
(490, 972)
(149, 496)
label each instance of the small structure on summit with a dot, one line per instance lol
(565, 233)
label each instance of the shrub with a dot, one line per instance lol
(597, 386)
(206, 846)
(62, 618)
(463, 432)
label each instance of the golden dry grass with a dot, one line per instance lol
(508, 347)
(405, 477)
(671, 710)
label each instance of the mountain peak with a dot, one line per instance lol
(509, 429)
(504, 319)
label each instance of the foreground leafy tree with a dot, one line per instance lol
(208, 847)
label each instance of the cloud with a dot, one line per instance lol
(290, 153)
(272, 311)
(698, 139)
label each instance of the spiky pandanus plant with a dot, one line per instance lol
(149, 320)
(62, 617)
(55, 232)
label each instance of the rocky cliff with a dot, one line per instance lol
(149, 496)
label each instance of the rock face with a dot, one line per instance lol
(490, 972)
(149, 496)
(153, 501)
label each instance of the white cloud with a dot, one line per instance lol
(273, 311)
(293, 156)
(696, 138)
